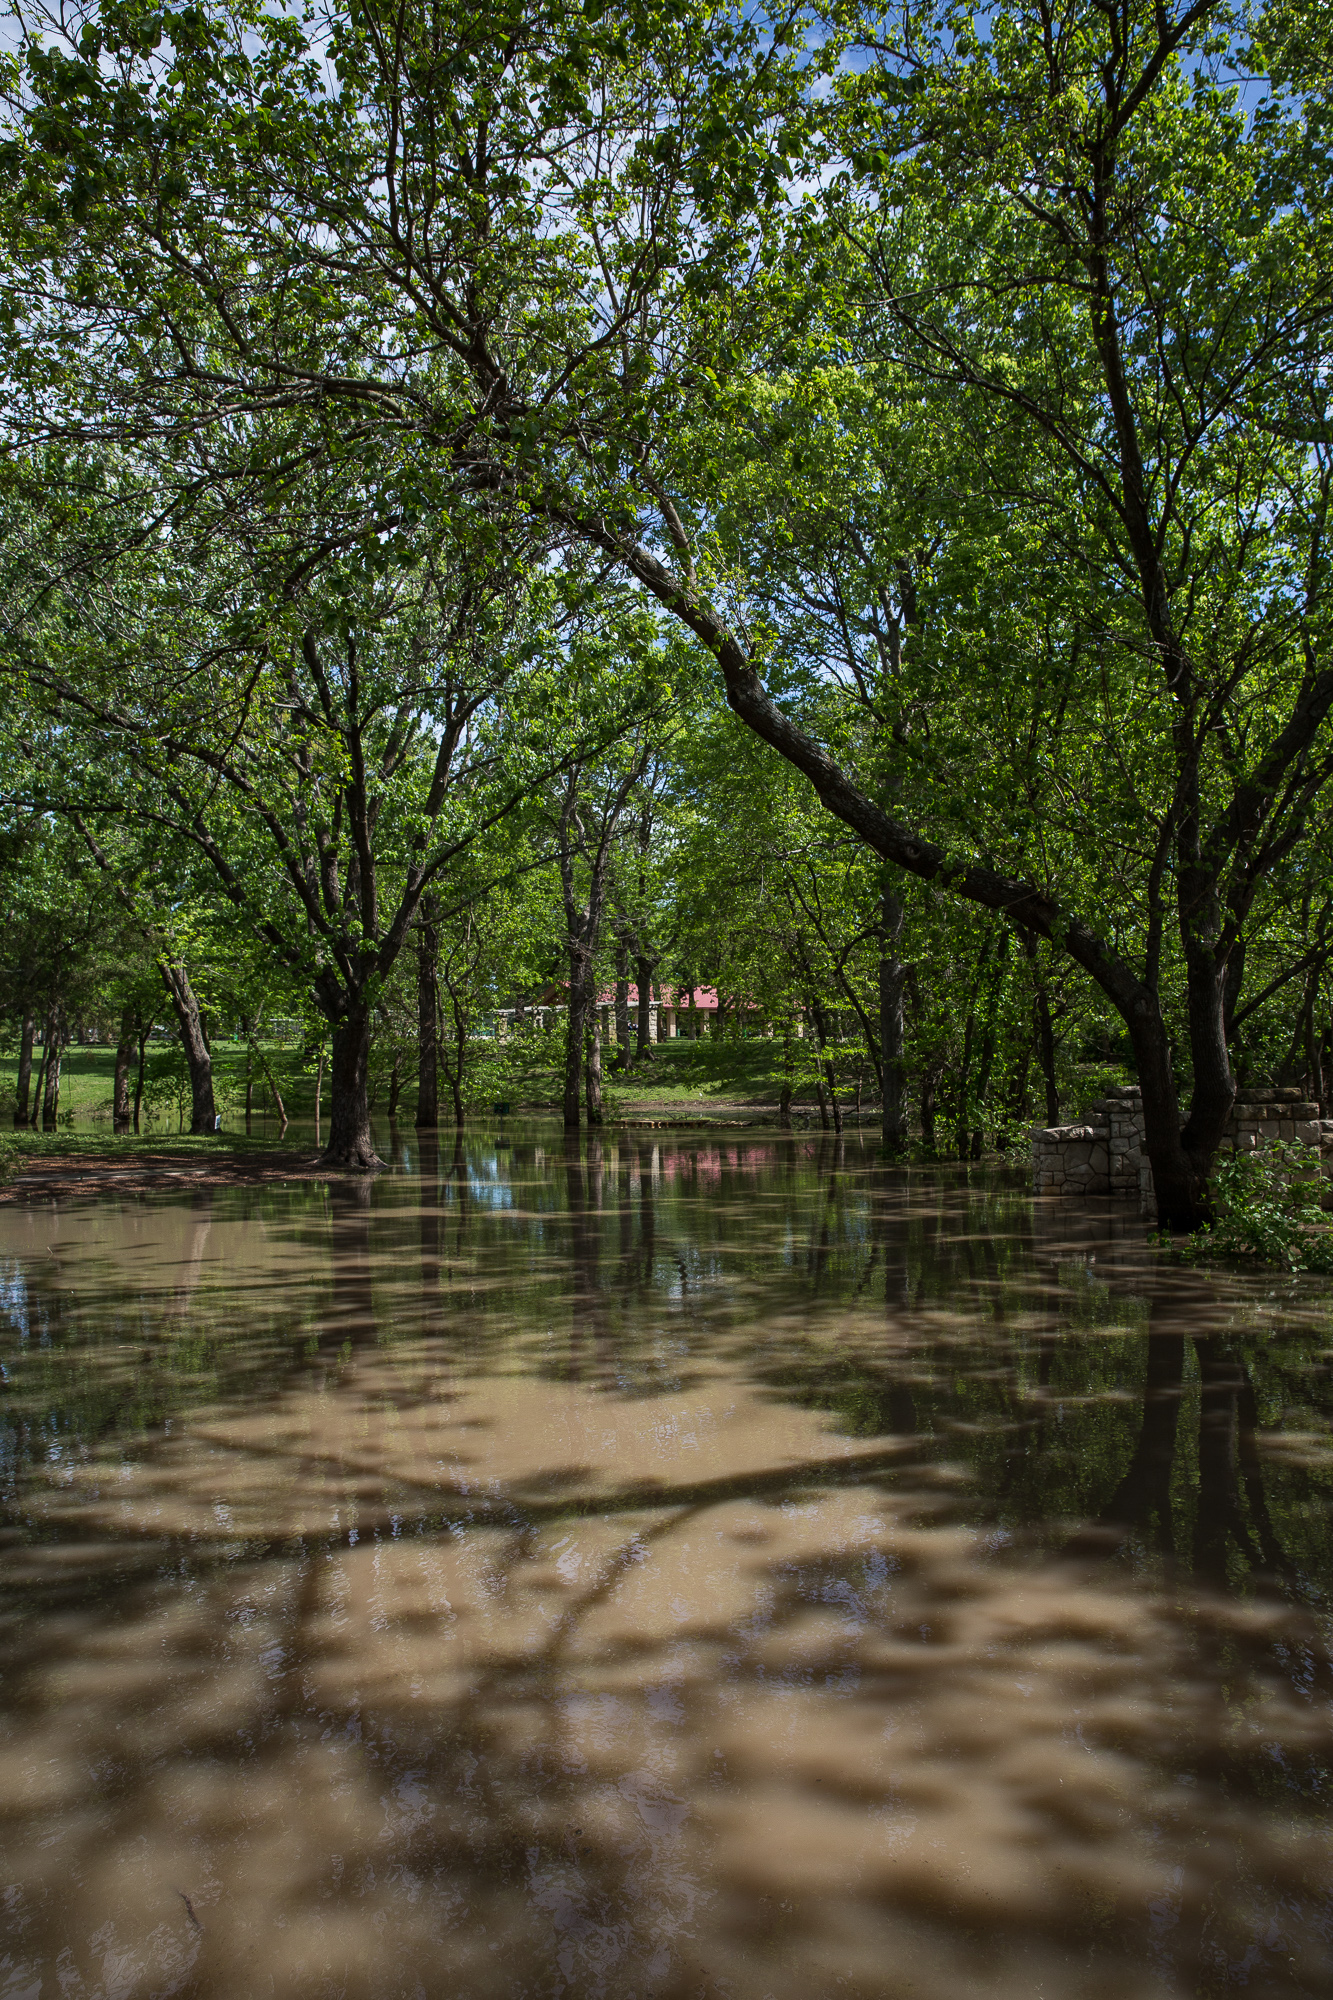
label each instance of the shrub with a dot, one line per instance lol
(1266, 1205)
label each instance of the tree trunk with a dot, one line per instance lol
(594, 1065)
(273, 1089)
(25, 1069)
(349, 1146)
(395, 1085)
(1045, 1035)
(784, 1108)
(576, 1030)
(929, 1087)
(892, 981)
(120, 1097)
(834, 1105)
(1178, 1184)
(622, 998)
(428, 1018)
(454, 1071)
(203, 1111)
(51, 1085)
(145, 1029)
(319, 1091)
(987, 1062)
(48, 1043)
(643, 972)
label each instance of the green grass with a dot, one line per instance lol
(87, 1075)
(683, 1071)
(683, 1076)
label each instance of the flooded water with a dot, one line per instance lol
(656, 1568)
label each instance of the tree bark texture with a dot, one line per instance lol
(120, 1094)
(51, 1081)
(622, 995)
(26, 1038)
(580, 980)
(594, 1068)
(892, 983)
(643, 1044)
(349, 1147)
(185, 1005)
(428, 1017)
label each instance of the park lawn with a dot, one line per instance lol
(684, 1077)
(685, 1072)
(87, 1076)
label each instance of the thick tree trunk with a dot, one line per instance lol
(349, 1146)
(120, 1095)
(594, 1066)
(892, 983)
(25, 1069)
(1179, 1186)
(185, 1005)
(1214, 1085)
(428, 1019)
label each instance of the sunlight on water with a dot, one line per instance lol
(673, 1569)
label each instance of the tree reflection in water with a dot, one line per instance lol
(719, 1567)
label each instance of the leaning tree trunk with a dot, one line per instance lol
(428, 1019)
(25, 1070)
(892, 983)
(120, 1096)
(185, 1005)
(350, 1146)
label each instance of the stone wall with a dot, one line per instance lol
(1104, 1154)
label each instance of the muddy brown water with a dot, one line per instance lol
(657, 1567)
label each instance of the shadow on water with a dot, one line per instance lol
(643, 1567)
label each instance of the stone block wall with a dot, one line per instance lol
(1104, 1154)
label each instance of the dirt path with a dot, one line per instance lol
(73, 1175)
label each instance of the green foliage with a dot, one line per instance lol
(1266, 1206)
